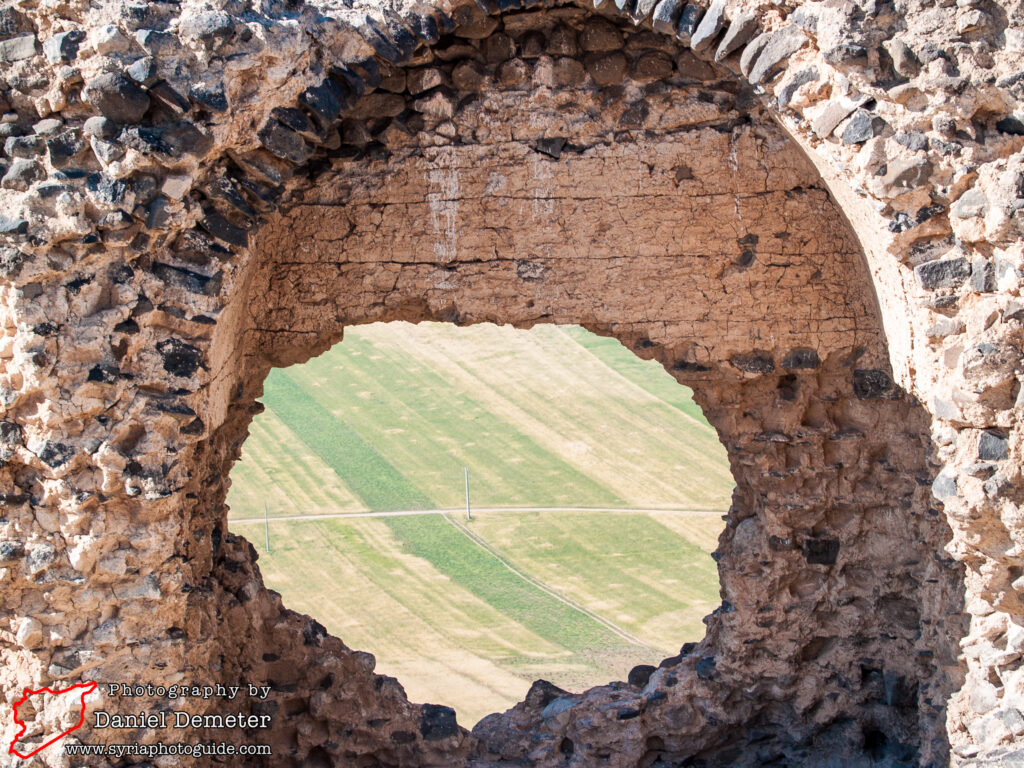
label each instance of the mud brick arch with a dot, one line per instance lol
(808, 218)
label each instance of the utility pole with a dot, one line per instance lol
(469, 515)
(266, 522)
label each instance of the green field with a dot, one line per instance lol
(468, 614)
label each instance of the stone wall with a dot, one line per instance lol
(807, 212)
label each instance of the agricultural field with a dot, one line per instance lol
(597, 489)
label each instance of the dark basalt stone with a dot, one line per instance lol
(944, 486)
(12, 226)
(944, 273)
(11, 551)
(361, 76)
(323, 101)
(63, 47)
(224, 230)
(100, 127)
(754, 362)
(284, 142)
(706, 668)
(468, 76)
(261, 196)
(18, 48)
(192, 282)
(689, 18)
(195, 427)
(872, 384)
(1011, 125)
(651, 66)
(801, 358)
(117, 98)
(107, 151)
(542, 693)
(10, 434)
(106, 190)
(993, 447)
(199, 248)
(640, 675)
(607, 68)
(174, 141)
(803, 77)
(180, 359)
(997, 487)
(12, 21)
(23, 146)
(149, 140)
(211, 97)
(393, 43)
(143, 71)
(915, 141)
(11, 259)
(115, 221)
(821, 551)
(776, 52)
(63, 147)
(226, 190)
(379, 105)
(983, 276)
(742, 28)
(211, 27)
(169, 100)
(10, 129)
(686, 366)
(709, 27)
(422, 25)
(103, 374)
(599, 36)
(157, 214)
(145, 187)
(488, 7)
(22, 174)
(846, 54)
(296, 120)
(552, 147)
(666, 16)
(154, 42)
(55, 455)
(313, 633)
(862, 126)
(900, 691)
(437, 722)
(49, 191)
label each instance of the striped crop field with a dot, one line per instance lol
(597, 489)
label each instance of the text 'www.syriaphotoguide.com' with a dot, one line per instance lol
(161, 750)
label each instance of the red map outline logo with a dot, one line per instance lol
(87, 688)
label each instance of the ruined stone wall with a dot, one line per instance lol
(193, 193)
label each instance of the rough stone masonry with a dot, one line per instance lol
(809, 212)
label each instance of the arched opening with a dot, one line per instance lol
(670, 213)
(598, 491)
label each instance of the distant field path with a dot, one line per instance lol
(483, 544)
(449, 511)
(597, 489)
(497, 555)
